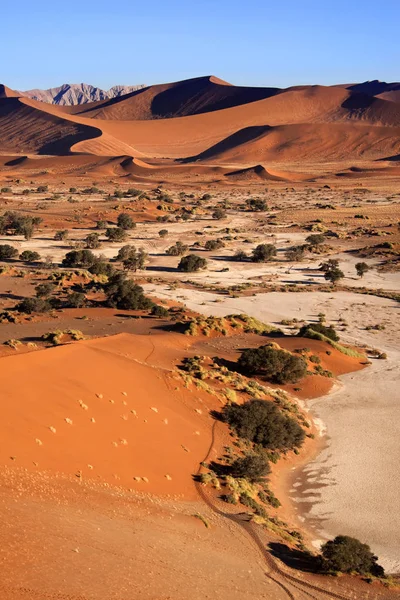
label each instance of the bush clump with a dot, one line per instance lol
(263, 253)
(275, 364)
(80, 259)
(329, 332)
(33, 305)
(254, 467)
(7, 252)
(125, 294)
(347, 554)
(192, 263)
(263, 423)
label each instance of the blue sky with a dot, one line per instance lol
(251, 42)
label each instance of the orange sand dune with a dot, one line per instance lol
(25, 128)
(109, 410)
(225, 124)
(316, 142)
(182, 98)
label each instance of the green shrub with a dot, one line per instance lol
(125, 294)
(177, 249)
(125, 221)
(32, 305)
(29, 256)
(347, 554)
(116, 234)
(263, 423)
(274, 364)
(82, 259)
(329, 332)
(254, 467)
(192, 263)
(263, 253)
(7, 252)
(214, 244)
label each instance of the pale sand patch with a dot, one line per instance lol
(359, 469)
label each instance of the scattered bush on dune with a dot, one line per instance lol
(254, 467)
(328, 331)
(262, 422)
(275, 364)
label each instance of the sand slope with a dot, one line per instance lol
(103, 410)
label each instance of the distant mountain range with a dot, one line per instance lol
(70, 94)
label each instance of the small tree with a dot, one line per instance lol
(315, 239)
(101, 224)
(92, 241)
(75, 300)
(7, 252)
(361, 269)
(31, 305)
(347, 554)
(116, 234)
(240, 256)
(334, 275)
(192, 263)
(214, 244)
(254, 467)
(82, 259)
(163, 233)
(178, 249)
(263, 253)
(29, 256)
(219, 214)
(125, 221)
(135, 260)
(295, 254)
(257, 204)
(43, 290)
(124, 294)
(61, 235)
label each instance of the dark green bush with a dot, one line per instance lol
(7, 252)
(272, 363)
(306, 331)
(125, 221)
(116, 234)
(192, 263)
(262, 422)
(125, 294)
(29, 256)
(80, 259)
(254, 467)
(32, 305)
(347, 554)
(263, 253)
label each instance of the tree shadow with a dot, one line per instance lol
(301, 560)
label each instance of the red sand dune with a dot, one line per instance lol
(108, 410)
(206, 119)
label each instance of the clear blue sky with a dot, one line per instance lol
(247, 42)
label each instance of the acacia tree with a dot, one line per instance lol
(362, 268)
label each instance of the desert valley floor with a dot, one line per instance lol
(114, 452)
